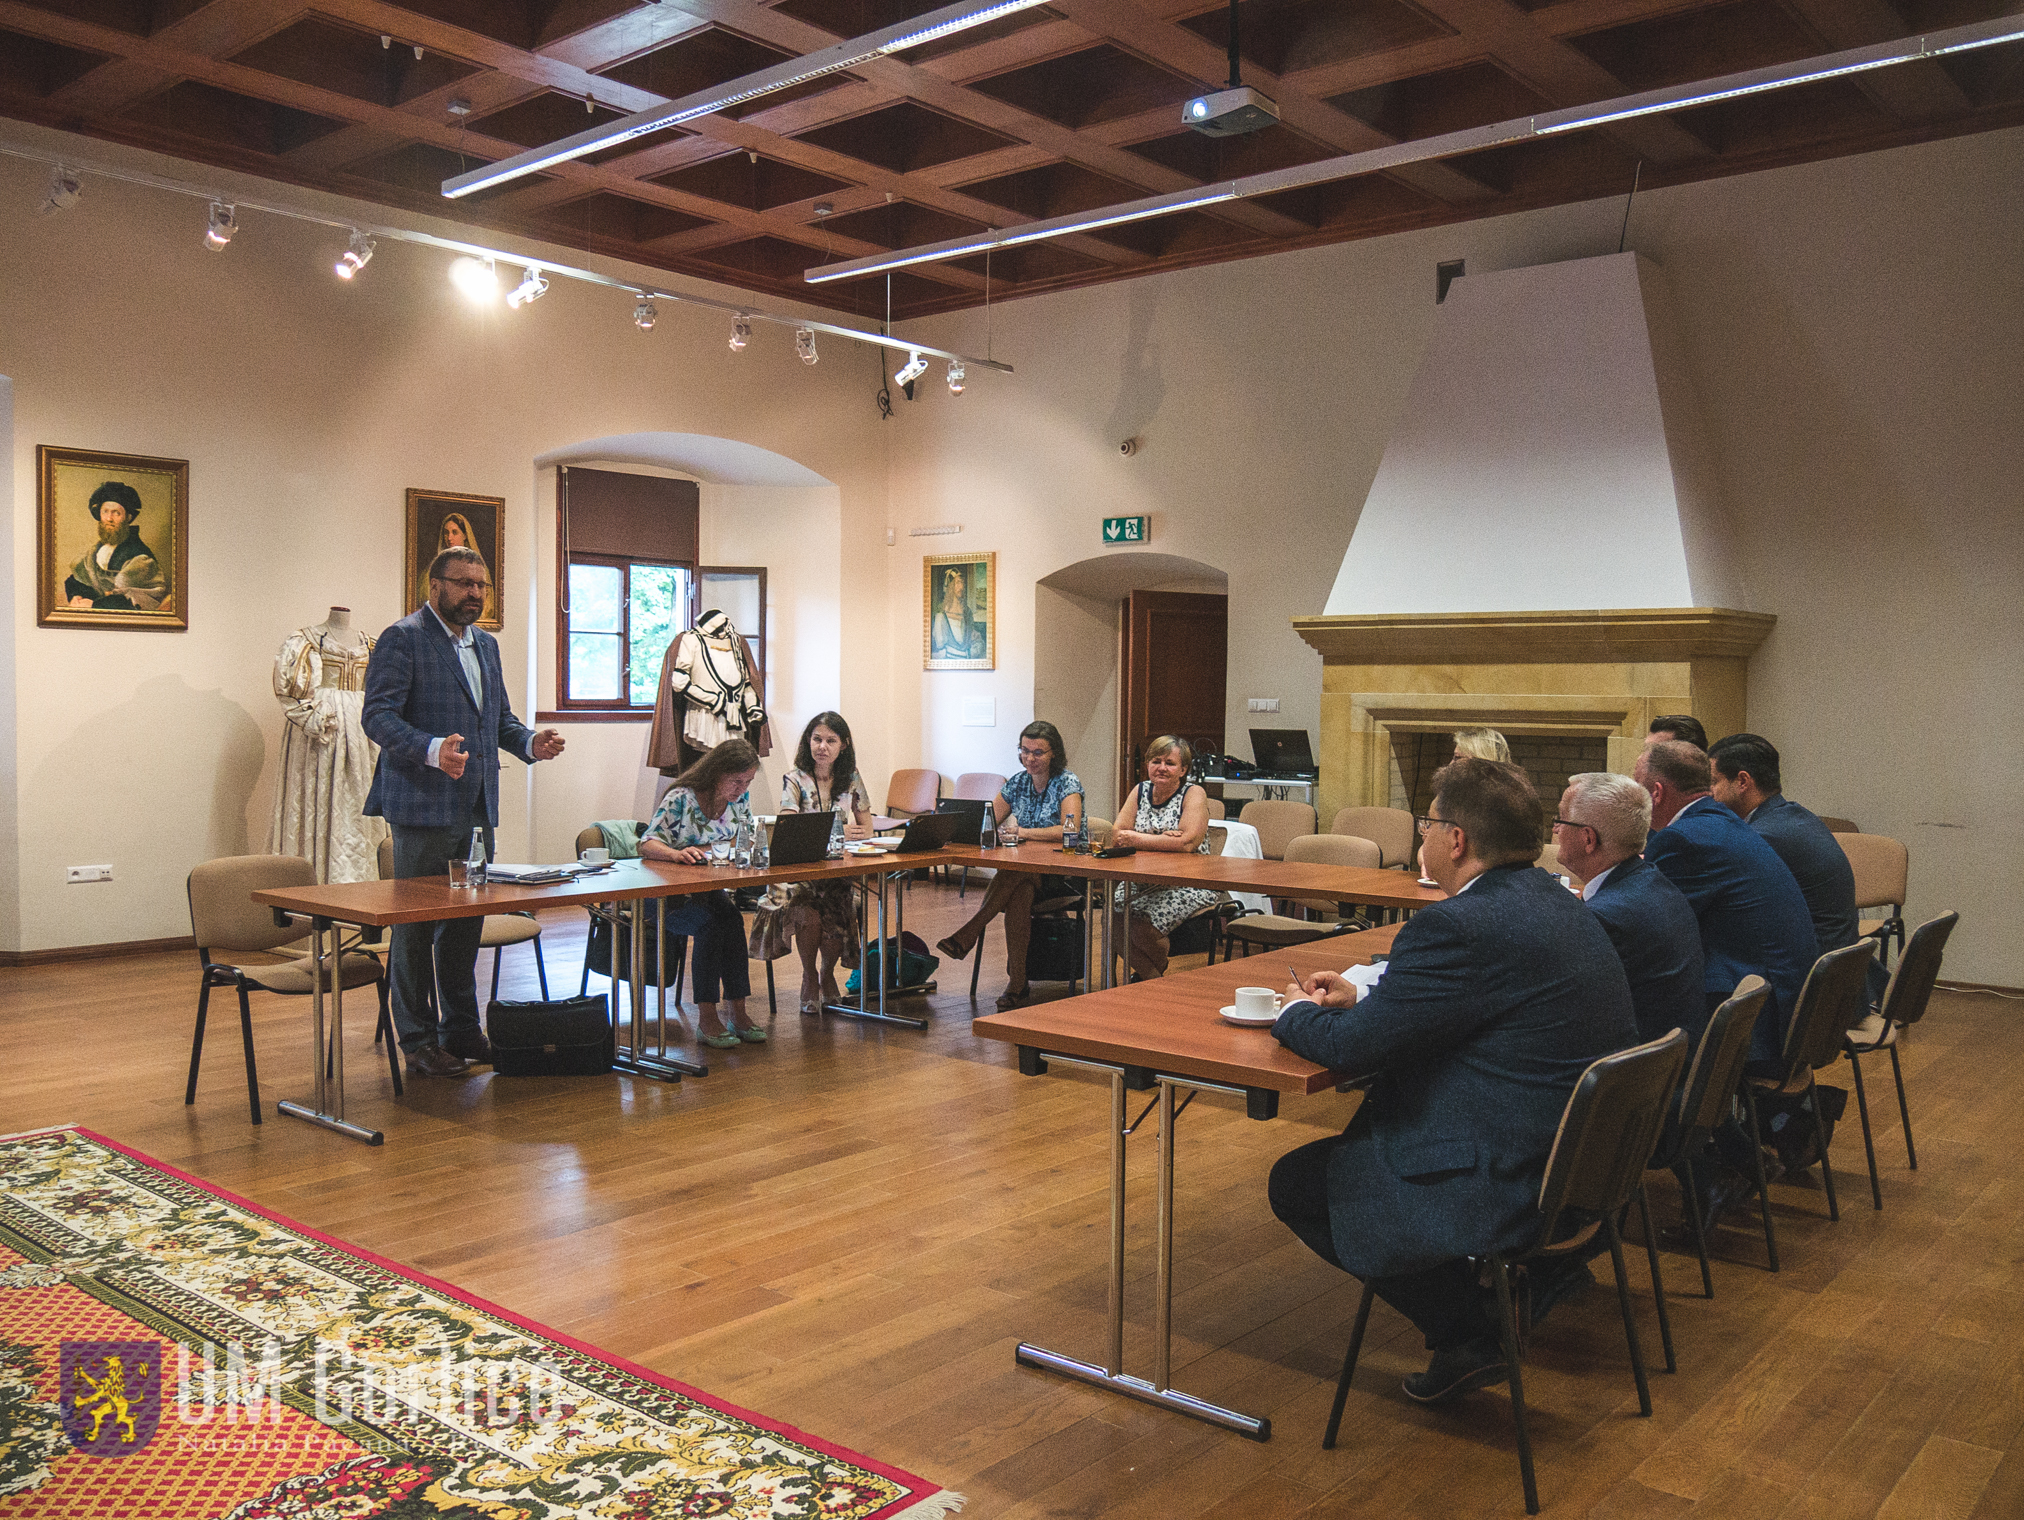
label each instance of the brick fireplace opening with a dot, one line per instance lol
(1549, 760)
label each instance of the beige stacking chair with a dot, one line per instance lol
(1390, 829)
(912, 792)
(1881, 865)
(1256, 931)
(1277, 823)
(501, 929)
(225, 921)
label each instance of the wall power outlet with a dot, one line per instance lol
(75, 874)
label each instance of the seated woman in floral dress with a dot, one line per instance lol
(707, 803)
(1042, 796)
(1163, 812)
(819, 917)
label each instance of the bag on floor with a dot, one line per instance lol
(1054, 950)
(908, 956)
(571, 1037)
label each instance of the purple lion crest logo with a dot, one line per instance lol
(112, 1395)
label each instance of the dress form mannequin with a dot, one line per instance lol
(326, 759)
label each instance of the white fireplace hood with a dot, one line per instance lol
(1551, 456)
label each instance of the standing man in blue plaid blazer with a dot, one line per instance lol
(435, 703)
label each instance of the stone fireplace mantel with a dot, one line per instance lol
(1587, 674)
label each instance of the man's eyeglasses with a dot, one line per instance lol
(464, 585)
(1425, 822)
(1569, 823)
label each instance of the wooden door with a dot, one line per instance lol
(1173, 665)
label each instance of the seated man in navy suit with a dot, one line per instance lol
(1748, 782)
(1492, 1005)
(1752, 914)
(1600, 833)
(435, 703)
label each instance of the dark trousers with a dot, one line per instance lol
(718, 967)
(443, 955)
(1443, 1300)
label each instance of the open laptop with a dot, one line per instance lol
(930, 831)
(969, 815)
(1283, 752)
(800, 839)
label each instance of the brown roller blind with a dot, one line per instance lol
(641, 516)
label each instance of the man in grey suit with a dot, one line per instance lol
(435, 703)
(1492, 1005)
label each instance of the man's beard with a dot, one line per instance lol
(112, 535)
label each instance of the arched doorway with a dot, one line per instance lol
(1079, 679)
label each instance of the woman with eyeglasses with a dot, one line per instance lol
(1041, 797)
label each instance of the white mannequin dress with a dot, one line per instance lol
(326, 759)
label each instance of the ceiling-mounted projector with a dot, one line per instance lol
(1230, 113)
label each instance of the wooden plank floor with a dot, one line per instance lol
(850, 1228)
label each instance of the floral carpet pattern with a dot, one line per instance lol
(169, 1350)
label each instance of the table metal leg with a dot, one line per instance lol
(631, 1058)
(1112, 1374)
(862, 1009)
(325, 952)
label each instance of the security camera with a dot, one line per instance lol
(1128, 448)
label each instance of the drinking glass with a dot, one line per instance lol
(1008, 831)
(720, 850)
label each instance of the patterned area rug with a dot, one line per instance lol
(171, 1351)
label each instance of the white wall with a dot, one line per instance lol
(1851, 329)
(306, 407)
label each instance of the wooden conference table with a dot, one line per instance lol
(636, 883)
(1163, 1035)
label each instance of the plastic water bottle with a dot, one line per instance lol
(761, 853)
(475, 860)
(741, 847)
(836, 836)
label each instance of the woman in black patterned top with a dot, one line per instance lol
(1163, 812)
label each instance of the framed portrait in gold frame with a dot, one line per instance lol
(112, 540)
(439, 520)
(959, 624)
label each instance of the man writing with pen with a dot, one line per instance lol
(1491, 1006)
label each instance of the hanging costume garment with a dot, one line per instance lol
(708, 694)
(326, 759)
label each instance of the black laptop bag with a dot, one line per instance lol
(571, 1037)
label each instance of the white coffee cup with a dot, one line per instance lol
(1257, 1002)
(596, 855)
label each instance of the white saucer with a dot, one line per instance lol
(1248, 1020)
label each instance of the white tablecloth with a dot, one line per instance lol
(1240, 842)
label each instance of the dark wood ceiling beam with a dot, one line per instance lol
(487, 92)
(1176, 48)
(1561, 74)
(1911, 91)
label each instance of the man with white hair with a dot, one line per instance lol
(1600, 834)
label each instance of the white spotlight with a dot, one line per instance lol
(530, 289)
(915, 367)
(64, 189)
(804, 345)
(224, 222)
(955, 377)
(476, 278)
(355, 257)
(741, 332)
(644, 313)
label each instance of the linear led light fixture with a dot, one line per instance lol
(72, 167)
(830, 60)
(1958, 39)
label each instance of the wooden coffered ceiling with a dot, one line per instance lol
(1058, 109)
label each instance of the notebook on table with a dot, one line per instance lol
(801, 839)
(969, 815)
(1283, 752)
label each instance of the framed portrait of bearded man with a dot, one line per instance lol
(112, 538)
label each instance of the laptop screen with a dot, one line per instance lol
(1283, 751)
(969, 816)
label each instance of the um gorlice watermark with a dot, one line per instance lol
(232, 1389)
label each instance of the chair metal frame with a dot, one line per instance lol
(1593, 1175)
(1904, 1004)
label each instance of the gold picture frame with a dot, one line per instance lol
(959, 621)
(132, 571)
(480, 520)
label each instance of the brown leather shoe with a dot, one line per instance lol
(434, 1061)
(471, 1044)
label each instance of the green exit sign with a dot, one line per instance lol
(1127, 530)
